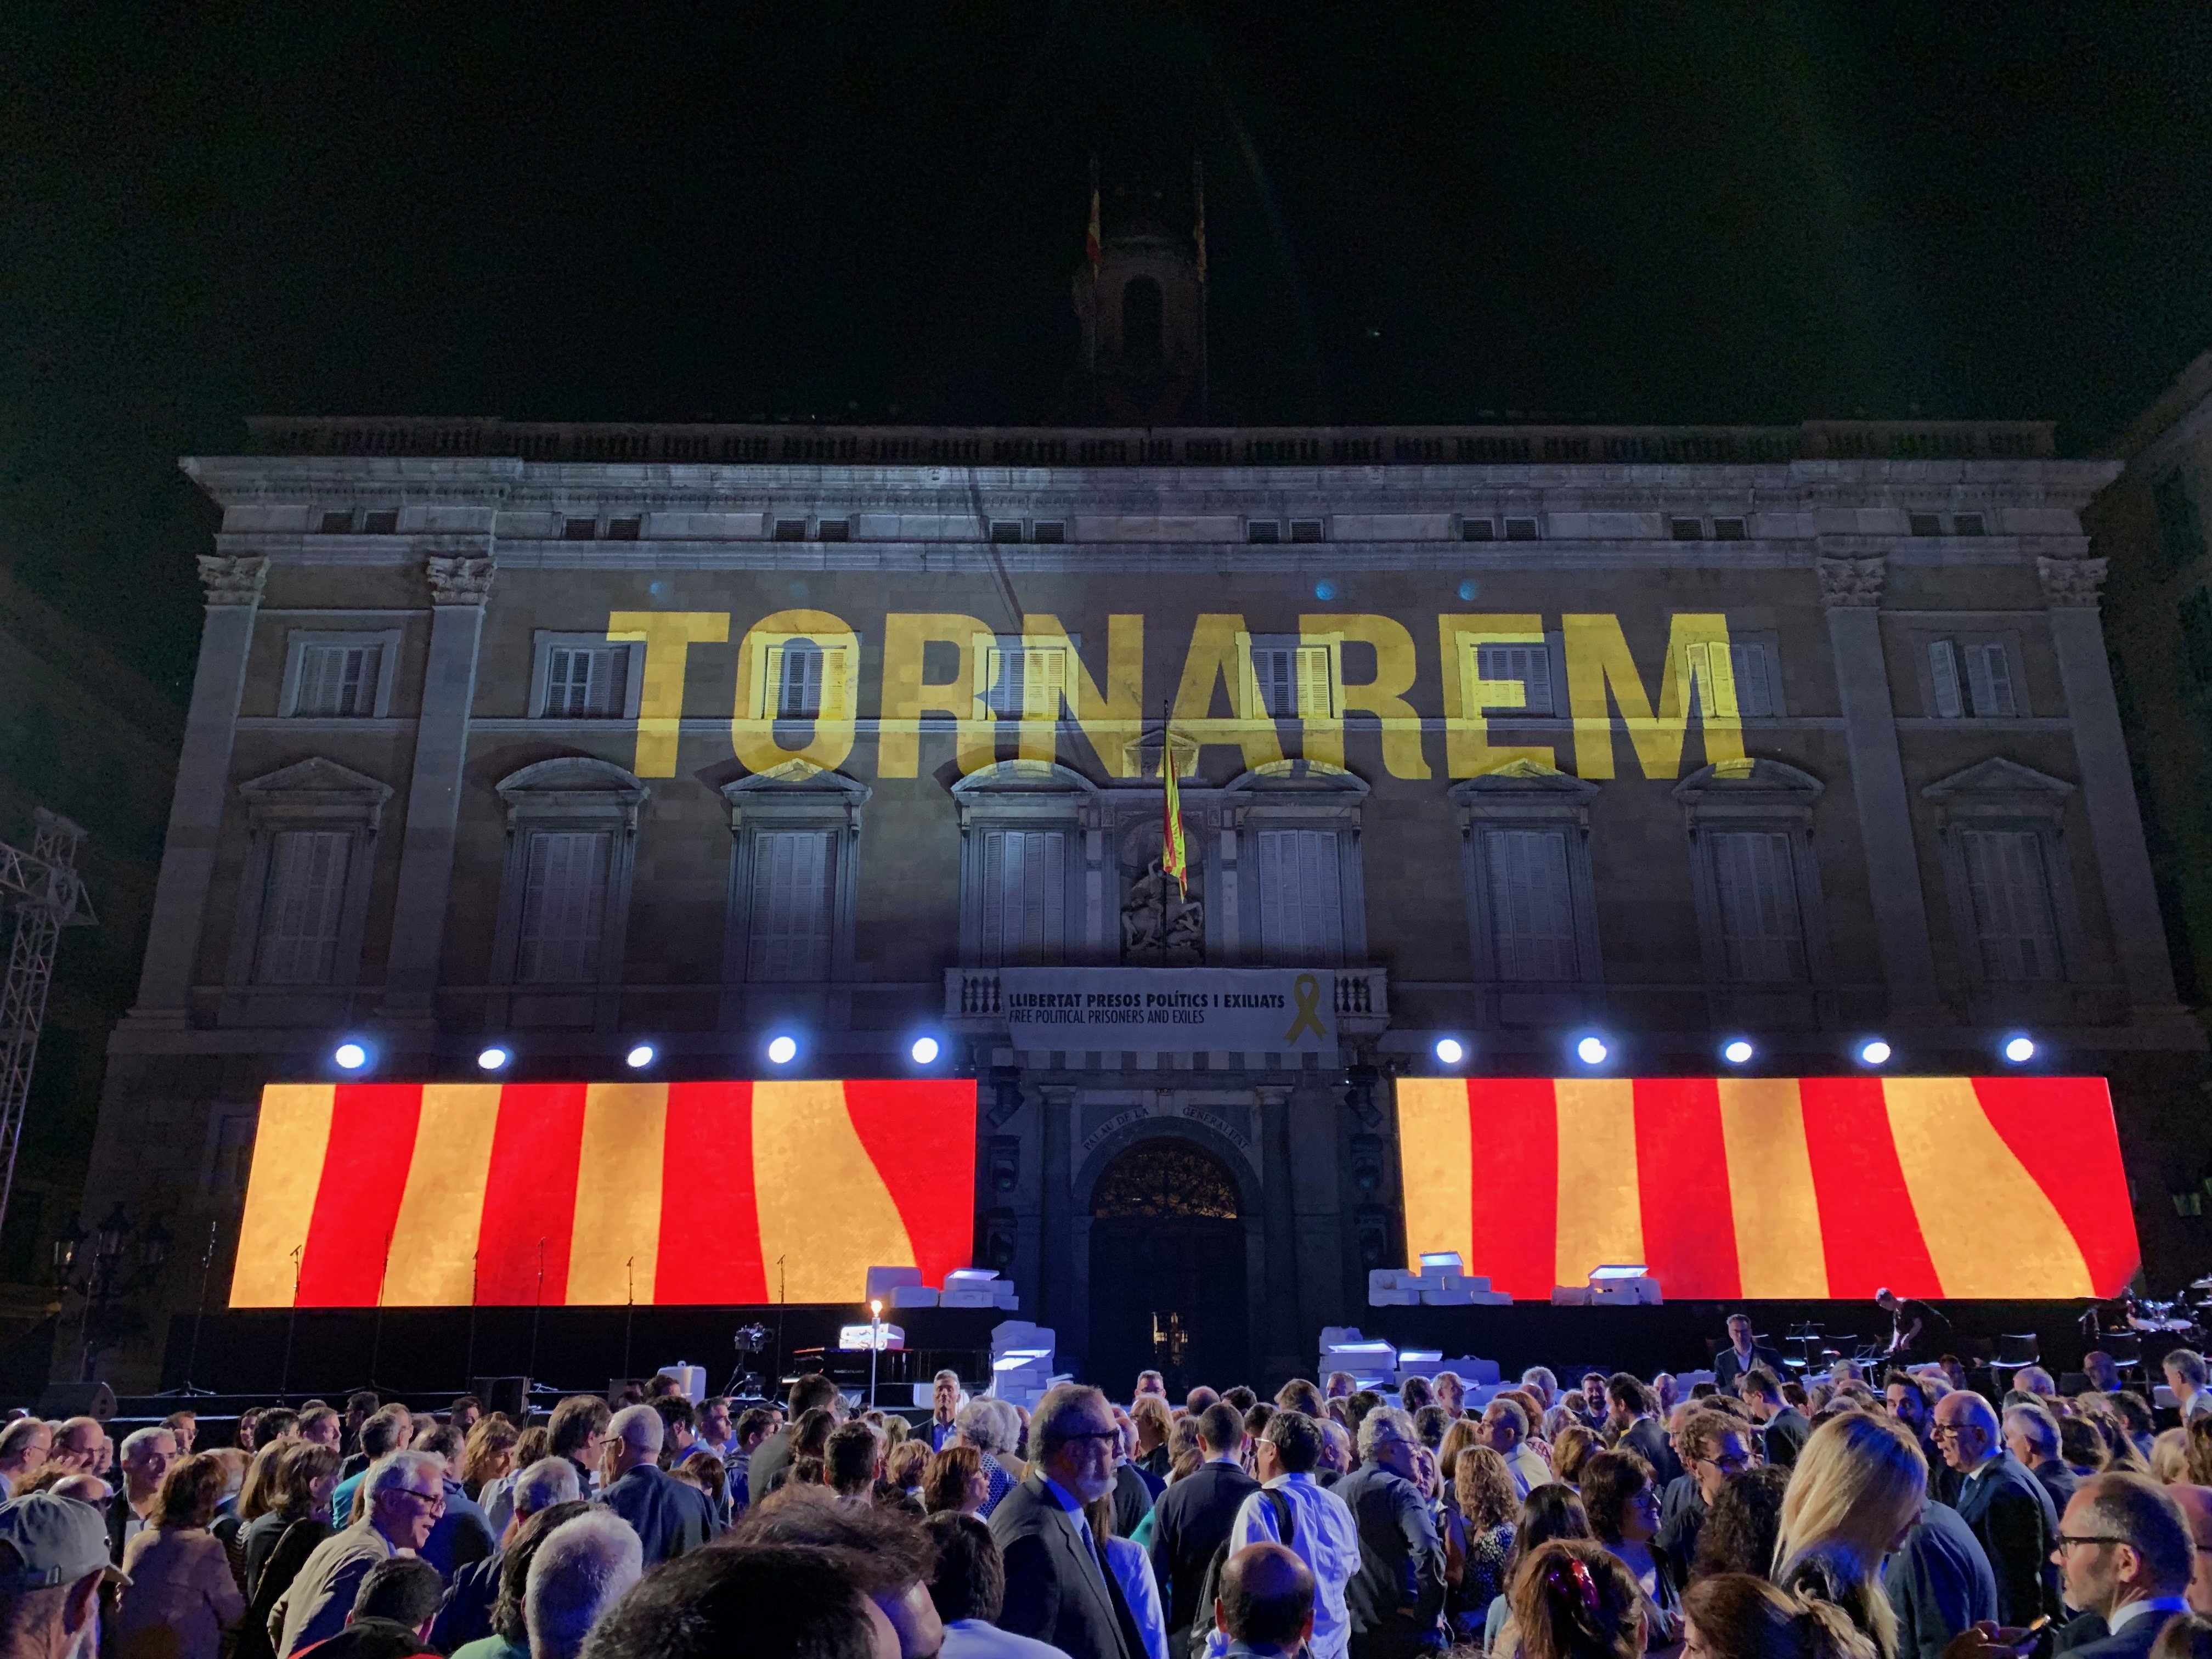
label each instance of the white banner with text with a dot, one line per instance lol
(1171, 1010)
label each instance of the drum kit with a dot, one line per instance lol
(2180, 1322)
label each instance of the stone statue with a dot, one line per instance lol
(1159, 927)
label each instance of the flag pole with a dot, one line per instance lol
(1198, 193)
(1093, 252)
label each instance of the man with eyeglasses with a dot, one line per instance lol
(1059, 1587)
(406, 1494)
(2125, 1552)
(1716, 1446)
(2004, 1506)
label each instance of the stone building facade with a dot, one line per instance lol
(573, 736)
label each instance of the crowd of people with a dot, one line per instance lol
(1902, 1516)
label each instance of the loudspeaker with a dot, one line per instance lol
(510, 1395)
(94, 1399)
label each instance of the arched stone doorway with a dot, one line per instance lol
(1167, 1269)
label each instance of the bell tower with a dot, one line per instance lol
(1142, 316)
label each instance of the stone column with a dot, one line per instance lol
(1277, 1339)
(2071, 592)
(1850, 589)
(458, 589)
(172, 934)
(1057, 1278)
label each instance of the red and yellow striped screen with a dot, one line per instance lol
(442, 1194)
(1783, 1187)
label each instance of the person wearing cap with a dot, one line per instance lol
(406, 1493)
(53, 1559)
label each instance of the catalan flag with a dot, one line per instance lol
(1174, 856)
(437, 1194)
(1781, 1187)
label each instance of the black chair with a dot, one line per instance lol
(2017, 1350)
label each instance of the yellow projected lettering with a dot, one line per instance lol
(1221, 650)
(1598, 660)
(1383, 696)
(668, 637)
(795, 669)
(1511, 647)
(907, 695)
(1110, 716)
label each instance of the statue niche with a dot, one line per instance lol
(1160, 927)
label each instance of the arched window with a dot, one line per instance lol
(1141, 322)
(1158, 1179)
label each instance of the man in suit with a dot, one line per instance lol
(1397, 1595)
(1628, 1416)
(1782, 1427)
(1939, 1583)
(1193, 1516)
(2126, 1553)
(2006, 1507)
(1742, 1353)
(2031, 1434)
(1059, 1588)
(772, 1455)
(669, 1516)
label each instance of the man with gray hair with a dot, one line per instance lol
(405, 1495)
(669, 1515)
(945, 1399)
(147, 1455)
(1058, 1588)
(1396, 1598)
(2006, 1507)
(2127, 1553)
(2031, 1434)
(465, 1615)
(580, 1570)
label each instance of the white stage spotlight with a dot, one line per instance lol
(1737, 1051)
(640, 1056)
(494, 1058)
(782, 1050)
(1873, 1052)
(925, 1051)
(350, 1055)
(2020, 1048)
(1592, 1051)
(1450, 1051)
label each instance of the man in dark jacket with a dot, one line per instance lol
(1397, 1596)
(1783, 1428)
(1191, 1519)
(2127, 1557)
(1058, 1588)
(1742, 1353)
(669, 1516)
(1939, 1583)
(772, 1455)
(1629, 1405)
(2006, 1507)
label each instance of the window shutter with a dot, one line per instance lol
(1044, 681)
(1532, 914)
(1300, 907)
(1762, 933)
(1537, 679)
(790, 919)
(1988, 677)
(2009, 884)
(770, 697)
(1531, 664)
(1024, 897)
(564, 902)
(1943, 672)
(338, 680)
(833, 702)
(302, 907)
(1316, 684)
(1754, 692)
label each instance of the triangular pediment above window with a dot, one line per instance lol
(1024, 776)
(1999, 776)
(1317, 775)
(796, 774)
(316, 777)
(1746, 777)
(1523, 778)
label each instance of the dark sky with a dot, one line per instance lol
(1665, 213)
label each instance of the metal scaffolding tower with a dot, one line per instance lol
(43, 889)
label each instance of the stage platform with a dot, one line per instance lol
(440, 1351)
(1680, 1336)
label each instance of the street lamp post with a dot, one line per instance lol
(94, 1266)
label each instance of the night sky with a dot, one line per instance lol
(1642, 212)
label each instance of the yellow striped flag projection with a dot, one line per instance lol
(1784, 1188)
(524, 1193)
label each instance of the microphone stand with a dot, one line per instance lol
(192, 1354)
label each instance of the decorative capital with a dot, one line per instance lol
(233, 580)
(459, 580)
(1853, 581)
(2071, 582)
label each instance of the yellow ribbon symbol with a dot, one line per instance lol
(1307, 990)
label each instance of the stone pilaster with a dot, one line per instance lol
(2071, 591)
(460, 587)
(232, 586)
(1852, 591)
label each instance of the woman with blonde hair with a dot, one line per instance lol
(1465, 1432)
(1154, 1424)
(1572, 1451)
(1574, 1599)
(1736, 1616)
(1858, 1487)
(954, 1480)
(1484, 1507)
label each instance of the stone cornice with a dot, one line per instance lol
(231, 579)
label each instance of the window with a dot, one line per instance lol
(1750, 691)
(790, 934)
(1024, 895)
(564, 902)
(1520, 530)
(2011, 897)
(1971, 676)
(624, 530)
(336, 524)
(1531, 664)
(1531, 910)
(1478, 529)
(1301, 907)
(338, 681)
(1306, 530)
(1926, 524)
(797, 678)
(1019, 678)
(796, 670)
(580, 529)
(587, 682)
(1005, 530)
(1263, 530)
(300, 912)
(1761, 929)
(1686, 529)
(834, 530)
(1049, 530)
(1295, 681)
(790, 529)
(2180, 531)
(1728, 530)
(1967, 524)
(384, 523)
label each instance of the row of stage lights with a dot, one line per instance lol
(1872, 1052)
(355, 1054)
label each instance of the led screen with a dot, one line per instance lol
(1783, 1187)
(442, 1194)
